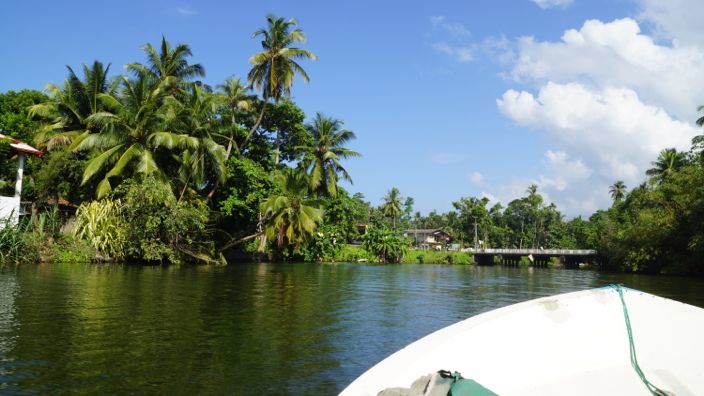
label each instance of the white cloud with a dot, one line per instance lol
(453, 28)
(678, 20)
(617, 54)
(612, 130)
(454, 39)
(544, 4)
(563, 171)
(476, 178)
(459, 53)
(608, 97)
(186, 11)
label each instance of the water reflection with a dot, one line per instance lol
(248, 329)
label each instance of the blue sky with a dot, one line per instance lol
(447, 98)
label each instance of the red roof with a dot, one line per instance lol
(22, 146)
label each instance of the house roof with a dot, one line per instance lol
(425, 231)
(22, 146)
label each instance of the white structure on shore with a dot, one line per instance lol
(10, 206)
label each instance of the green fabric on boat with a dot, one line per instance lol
(467, 387)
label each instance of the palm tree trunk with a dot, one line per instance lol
(254, 127)
(231, 143)
(278, 147)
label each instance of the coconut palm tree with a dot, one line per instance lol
(618, 190)
(236, 98)
(134, 137)
(392, 206)
(273, 70)
(64, 116)
(323, 154)
(669, 161)
(291, 216)
(203, 165)
(167, 64)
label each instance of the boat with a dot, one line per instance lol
(607, 341)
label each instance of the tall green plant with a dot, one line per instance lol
(323, 154)
(102, 225)
(292, 215)
(387, 245)
(274, 69)
(15, 244)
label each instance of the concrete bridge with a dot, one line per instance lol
(571, 258)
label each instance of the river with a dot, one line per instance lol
(248, 328)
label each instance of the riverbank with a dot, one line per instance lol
(354, 253)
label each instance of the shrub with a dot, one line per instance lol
(387, 245)
(102, 225)
(162, 228)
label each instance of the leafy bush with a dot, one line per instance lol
(102, 224)
(162, 228)
(70, 250)
(323, 246)
(387, 245)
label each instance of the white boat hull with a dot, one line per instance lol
(570, 344)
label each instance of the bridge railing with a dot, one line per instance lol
(549, 252)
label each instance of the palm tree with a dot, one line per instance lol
(203, 164)
(392, 206)
(64, 116)
(133, 138)
(669, 161)
(618, 190)
(532, 190)
(291, 216)
(167, 64)
(323, 154)
(236, 98)
(274, 69)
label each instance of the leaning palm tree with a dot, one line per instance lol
(669, 161)
(323, 154)
(291, 216)
(134, 138)
(618, 190)
(63, 118)
(392, 206)
(274, 69)
(236, 98)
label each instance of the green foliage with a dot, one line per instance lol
(247, 187)
(59, 176)
(71, 250)
(387, 245)
(415, 256)
(353, 254)
(292, 216)
(323, 246)
(162, 229)
(102, 225)
(17, 245)
(323, 155)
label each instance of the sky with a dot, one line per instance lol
(448, 99)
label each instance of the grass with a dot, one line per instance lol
(353, 254)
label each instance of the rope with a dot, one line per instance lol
(654, 390)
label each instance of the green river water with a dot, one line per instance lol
(248, 329)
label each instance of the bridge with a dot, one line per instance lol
(571, 258)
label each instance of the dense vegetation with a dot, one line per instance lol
(160, 167)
